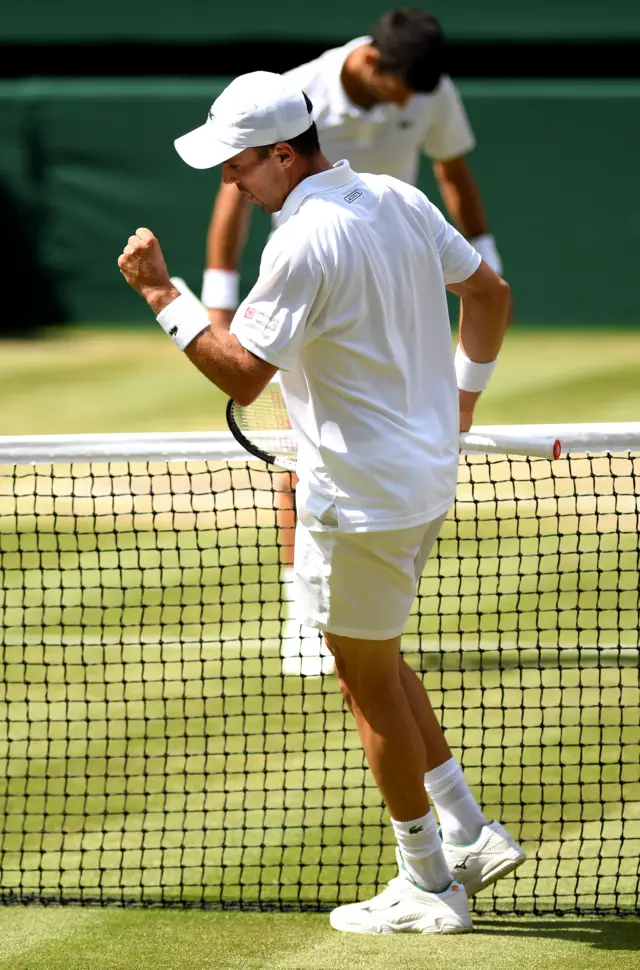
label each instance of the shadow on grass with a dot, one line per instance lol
(602, 933)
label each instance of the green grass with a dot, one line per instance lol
(147, 736)
(72, 939)
(83, 380)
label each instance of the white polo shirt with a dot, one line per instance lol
(385, 140)
(350, 305)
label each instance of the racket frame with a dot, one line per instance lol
(251, 446)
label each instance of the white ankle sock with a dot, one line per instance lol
(460, 817)
(422, 854)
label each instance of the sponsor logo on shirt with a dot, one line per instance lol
(260, 317)
(353, 196)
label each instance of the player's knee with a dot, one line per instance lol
(364, 684)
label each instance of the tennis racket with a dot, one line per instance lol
(264, 430)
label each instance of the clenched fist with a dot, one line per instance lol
(143, 267)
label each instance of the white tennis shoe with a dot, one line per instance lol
(404, 907)
(493, 855)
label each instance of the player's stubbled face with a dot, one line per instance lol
(387, 88)
(261, 179)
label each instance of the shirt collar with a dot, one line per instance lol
(341, 174)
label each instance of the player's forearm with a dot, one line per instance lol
(461, 196)
(483, 322)
(227, 229)
(223, 360)
(217, 353)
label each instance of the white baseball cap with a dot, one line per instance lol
(254, 110)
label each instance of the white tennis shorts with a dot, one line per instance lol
(360, 584)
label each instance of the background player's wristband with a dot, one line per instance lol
(220, 288)
(486, 246)
(182, 320)
(470, 375)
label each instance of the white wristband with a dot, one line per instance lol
(182, 320)
(470, 375)
(220, 288)
(486, 246)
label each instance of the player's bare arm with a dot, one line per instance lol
(217, 353)
(484, 316)
(463, 202)
(226, 363)
(461, 196)
(225, 241)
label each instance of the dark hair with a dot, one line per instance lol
(307, 144)
(412, 46)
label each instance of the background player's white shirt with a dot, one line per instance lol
(386, 140)
(350, 303)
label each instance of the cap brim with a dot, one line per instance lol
(201, 149)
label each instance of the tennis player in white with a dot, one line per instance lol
(350, 307)
(380, 101)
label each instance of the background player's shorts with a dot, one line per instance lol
(360, 584)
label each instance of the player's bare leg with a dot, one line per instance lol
(423, 898)
(303, 652)
(477, 851)
(436, 747)
(285, 503)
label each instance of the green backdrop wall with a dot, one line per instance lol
(202, 20)
(84, 163)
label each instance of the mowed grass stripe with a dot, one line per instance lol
(192, 940)
(122, 380)
(185, 733)
(207, 787)
(26, 934)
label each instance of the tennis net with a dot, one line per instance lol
(153, 752)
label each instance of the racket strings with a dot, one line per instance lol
(266, 424)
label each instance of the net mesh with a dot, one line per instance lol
(152, 751)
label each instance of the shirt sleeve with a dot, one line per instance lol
(450, 134)
(272, 321)
(458, 258)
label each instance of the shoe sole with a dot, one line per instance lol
(503, 868)
(386, 929)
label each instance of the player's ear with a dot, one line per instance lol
(285, 153)
(372, 58)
